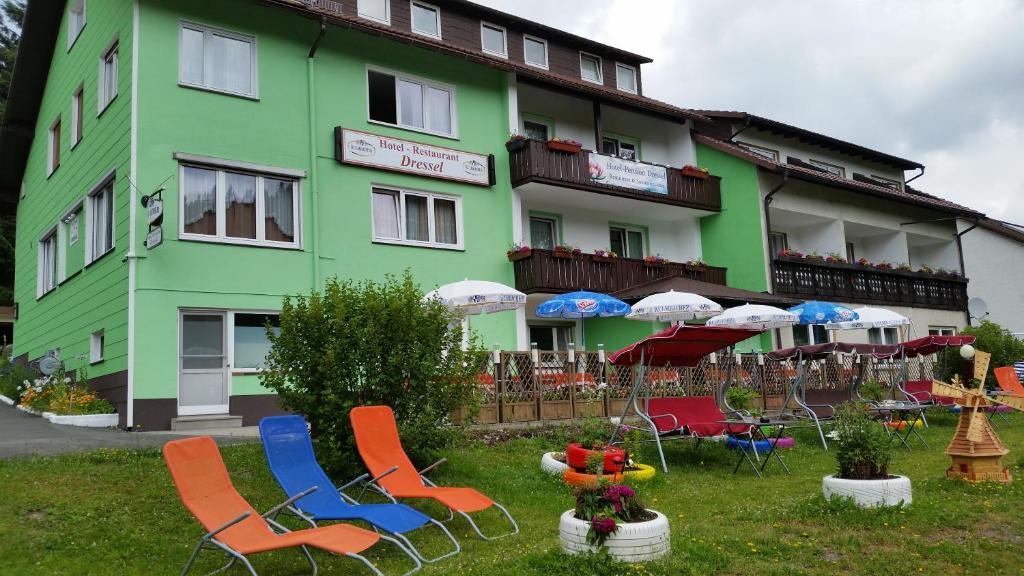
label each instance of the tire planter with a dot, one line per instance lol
(902, 425)
(551, 465)
(635, 542)
(574, 478)
(614, 458)
(762, 446)
(892, 491)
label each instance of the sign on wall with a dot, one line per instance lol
(614, 171)
(386, 153)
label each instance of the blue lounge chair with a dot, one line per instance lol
(290, 455)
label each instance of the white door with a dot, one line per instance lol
(203, 369)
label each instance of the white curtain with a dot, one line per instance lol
(279, 207)
(439, 104)
(191, 56)
(200, 191)
(444, 222)
(230, 64)
(385, 215)
(410, 96)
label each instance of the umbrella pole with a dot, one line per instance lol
(465, 332)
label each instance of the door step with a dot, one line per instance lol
(206, 422)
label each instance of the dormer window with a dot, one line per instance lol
(766, 153)
(76, 20)
(426, 19)
(888, 182)
(590, 68)
(625, 78)
(535, 51)
(378, 10)
(492, 39)
(832, 169)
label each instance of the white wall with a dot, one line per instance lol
(573, 117)
(995, 268)
(792, 147)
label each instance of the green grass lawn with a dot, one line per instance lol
(116, 512)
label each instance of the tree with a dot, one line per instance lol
(369, 343)
(992, 338)
(12, 13)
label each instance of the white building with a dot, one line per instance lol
(994, 261)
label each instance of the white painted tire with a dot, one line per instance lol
(638, 542)
(893, 491)
(551, 466)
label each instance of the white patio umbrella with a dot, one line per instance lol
(673, 306)
(754, 317)
(868, 317)
(471, 297)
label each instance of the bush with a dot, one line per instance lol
(13, 375)
(862, 447)
(369, 343)
(992, 338)
(873, 391)
(741, 399)
(57, 393)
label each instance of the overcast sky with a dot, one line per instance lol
(936, 81)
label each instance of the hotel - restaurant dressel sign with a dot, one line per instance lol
(386, 153)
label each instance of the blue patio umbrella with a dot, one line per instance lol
(579, 305)
(815, 312)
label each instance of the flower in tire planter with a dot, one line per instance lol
(577, 457)
(553, 463)
(863, 453)
(611, 517)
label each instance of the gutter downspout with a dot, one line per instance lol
(314, 182)
(921, 173)
(768, 244)
(960, 253)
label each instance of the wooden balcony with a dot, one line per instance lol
(544, 271)
(536, 163)
(808, 280)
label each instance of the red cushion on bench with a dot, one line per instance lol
(698, 415)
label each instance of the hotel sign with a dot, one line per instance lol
(386, 153)
(614, 171)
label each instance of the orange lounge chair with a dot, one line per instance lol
(236, 528)
(395, 476)
(1008, 381)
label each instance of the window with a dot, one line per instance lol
(778, 242)
(412, 103)
(492, 39)
(766, 153)
(830, 168)
(620, 147)
(941, 331)
(107, 89)
(100, 229)
(625, 78)
(590, 68)
(53, 147)
(416, 218)
(47, 263)
(96, 347)
(543, 233)
(426, 19)
(551, 337)
(537, 130)
(851, 254)
(809, 334)
(627, 242)
(250, 344)
(239, 207)
(888, 182)
(535, 51)
(217, 60)
(76, 20)
(884, 335)
(77, 109)
(379, 10)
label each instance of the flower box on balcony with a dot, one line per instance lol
(694, 172)
(603, 259)
(566, 146)
(564, 254)
(517, 255)
(516, 144)
(655, 263)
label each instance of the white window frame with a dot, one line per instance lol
(625, 239)
(53, 160)
(387, 12)
(548, 220)
(63, 240)
(942, 330)
(884, 180)
(882, 334)
(760, 151)
(90, 207)
(504, 39)
(97, 343)
(412, 18)
(77, 112)
(207, 32)
(260, 172)
(636, 77)
(547, 56)
(103, 100)
(402, 193)
(425, 83)
(828, 167)
(49, 237)
(600, 68)
(73, 34)
(230, 324)
(809, 330)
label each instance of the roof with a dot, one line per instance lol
(1006, 229)
(816, 138)
(726, 295)
(679, 346)
(908, 195)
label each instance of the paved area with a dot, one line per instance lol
(23, 434)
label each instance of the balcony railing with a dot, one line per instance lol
(536, 163)
(546, 271)
(851, 283)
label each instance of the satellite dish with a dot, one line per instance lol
(49, 364)
(977, 308)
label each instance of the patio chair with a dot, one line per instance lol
(236, 528)
(289, 451)
(381, 450)
(1006, 376)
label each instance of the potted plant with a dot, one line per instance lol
(516, 142)
(694, 172)
(696, 264)
(883, 266)
(611, 518)
(602, 255)
(567, 146)
(865, 262)
(835, 258)
(863, 454)
(815, 256)
(925, 270)
(518, 251)
(591, 442)
(655, 261)
(566, 251)
(790, 253)
(904, 267)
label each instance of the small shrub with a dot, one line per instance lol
(59, 394)
(992, 338)
(861, 445)
(741, 399)
(872, 391)
(13, 375)
(594, 433)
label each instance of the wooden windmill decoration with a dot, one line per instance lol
(976, 450)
